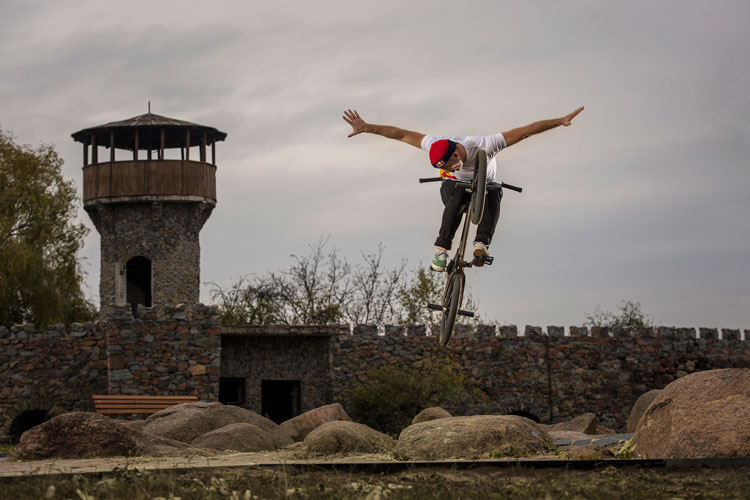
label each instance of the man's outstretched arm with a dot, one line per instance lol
(521, 133)
(359, 126)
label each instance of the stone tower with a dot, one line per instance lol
(149, 199)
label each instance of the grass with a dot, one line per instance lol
(487, 483)
(7, 448)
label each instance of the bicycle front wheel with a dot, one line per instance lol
(479, 187)
(451, 305)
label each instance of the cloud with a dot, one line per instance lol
(642, 198)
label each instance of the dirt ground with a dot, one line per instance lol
(490, 483)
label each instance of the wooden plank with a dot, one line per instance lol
(127, 407)
(106, 397)
(146, 403)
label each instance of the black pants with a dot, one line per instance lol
(456, 200)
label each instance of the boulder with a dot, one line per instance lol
(640, 407)
(571, 436)
(237, 437)
(701, 415)
(585, 423)
(471, 438)
(89, 435)
(136, 425)
(347, 437)
(428, 414)
(302, 425)
(589, 452)
(603, 431)
(188, 421)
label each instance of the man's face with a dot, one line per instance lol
(454, 164)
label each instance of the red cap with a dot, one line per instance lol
(441, 151)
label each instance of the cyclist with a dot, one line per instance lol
(455, 157)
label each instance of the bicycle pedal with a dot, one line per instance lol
(435, 307)
(466, 313)
(483, 260)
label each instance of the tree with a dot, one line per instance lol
(40, 275)
(628, 316)
(323, 288)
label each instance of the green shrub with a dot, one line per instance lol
(392, 395)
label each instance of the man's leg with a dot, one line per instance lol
(455, 199)
(489, 218)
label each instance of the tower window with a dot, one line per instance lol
(138, 274)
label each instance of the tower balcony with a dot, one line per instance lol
(149, 180)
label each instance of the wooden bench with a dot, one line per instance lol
(112, 405)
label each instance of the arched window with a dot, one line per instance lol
(138, 277)
(25, 421)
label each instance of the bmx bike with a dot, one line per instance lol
(456, 279)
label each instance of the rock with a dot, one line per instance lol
(603, 431)
(302, 425)
(639, 407)
(188, 421)
(428, 414)
(237, 437)
(347, 437)
(88, 435)
(571, 436)
(475, 437)
(589, 452)
(136, 425)
(585, 423)
(702, 415)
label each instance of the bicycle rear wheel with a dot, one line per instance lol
(479, 187)
(451, 305)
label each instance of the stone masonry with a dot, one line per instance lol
(165, 233)
(166, 351)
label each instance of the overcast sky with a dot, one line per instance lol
(644, 198)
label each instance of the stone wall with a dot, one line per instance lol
(183, 350)
(545, 373)
(165, 351)
(49, 372)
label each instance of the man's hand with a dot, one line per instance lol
(565, 120)
(353, 119)
(521, 133)
(359, 125)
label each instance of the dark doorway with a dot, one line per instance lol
(25, 421)
(232, 391)
(526, 414)
(280, 399)
(138, 273)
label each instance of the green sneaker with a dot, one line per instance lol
(439, 260)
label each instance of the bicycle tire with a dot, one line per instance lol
(451, 305)
(479, 187)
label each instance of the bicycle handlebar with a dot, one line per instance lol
(490, 185)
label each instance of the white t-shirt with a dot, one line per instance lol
(492, 145)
